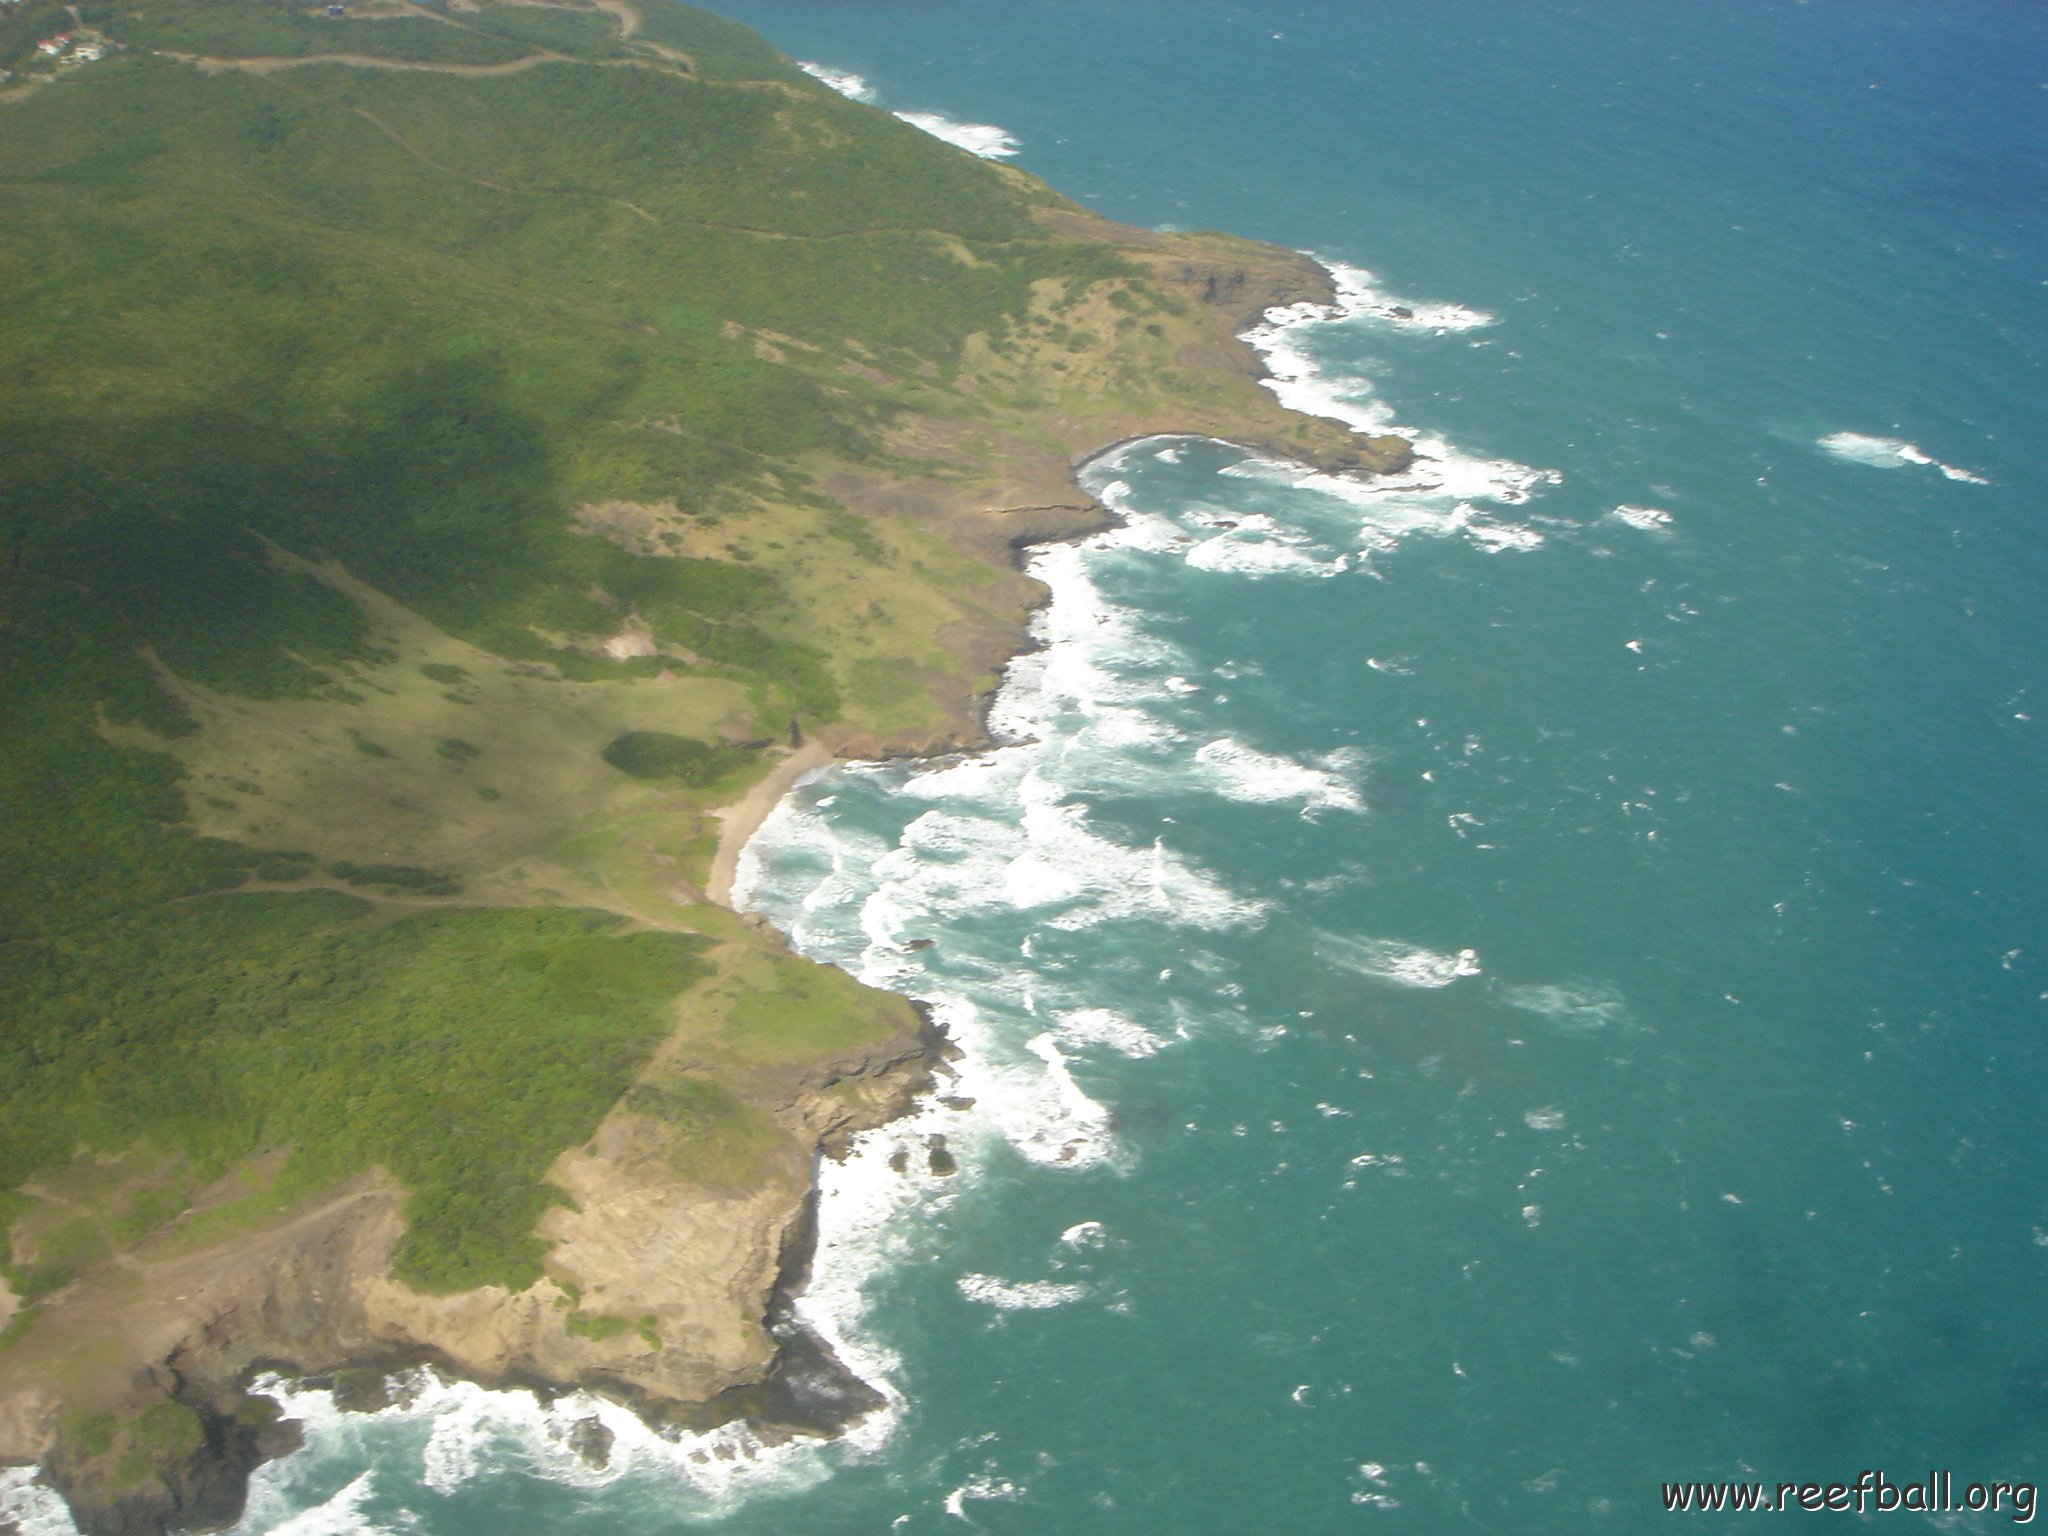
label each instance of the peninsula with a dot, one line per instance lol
(461, 460)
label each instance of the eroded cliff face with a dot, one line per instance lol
(661, 1292)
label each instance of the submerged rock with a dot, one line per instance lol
(591, 1439)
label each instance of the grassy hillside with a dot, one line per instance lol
(444, 451)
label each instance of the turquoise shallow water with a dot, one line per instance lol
(1478, 1005)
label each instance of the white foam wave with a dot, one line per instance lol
(1436, 493)
(987, 1488)
(1091, 713)
(341, 1515)
(1048, 860)
(1244, 773)
(457, 1431)
(1012, 831)
(1579, 1008)
(458, 1447)
(1079, 712)
(1405, 965)
(1890, 453)
(1244, 544)
(1019, 1296)
(29, 1507)
(1080, 1028)
(1642, 519)
(1299, 382)
(872, 1205)
(1240, 556)
(844, 81)
(983, 139)
(1085, 1234)
(1436, 499)
(1358, 292)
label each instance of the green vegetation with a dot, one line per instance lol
(59, 1255)
(407, 323)
(370, 431)
(713, 1135)
(599, 1326)
(92, 1433)
(603, 1326)
(160, 1434)
(396, 877)
(662, 755)
(460, 1050)
(146, 1441)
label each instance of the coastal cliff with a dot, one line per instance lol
(375, 1002)
(698, 1270)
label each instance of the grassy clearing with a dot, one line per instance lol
(759, 1012)
(372, 780)
(708, 1131)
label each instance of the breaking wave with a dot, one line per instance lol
(1028, 838)
(1890, 453)
(1016, 1296)
(1391, 960)
(1642, 519)
(983, 139)
(844, 81)
(1577, 1008)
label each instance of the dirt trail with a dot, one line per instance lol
(627, 16)
(496, 186)
(422, 156)
(270, 65)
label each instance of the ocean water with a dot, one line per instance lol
(1485, 994)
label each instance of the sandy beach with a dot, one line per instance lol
(743, 818)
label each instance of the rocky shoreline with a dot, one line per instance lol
(324, 1308)
(314, 1298)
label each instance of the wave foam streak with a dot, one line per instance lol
(1440, 493)
(437, 1436)
(853, 87)
(1890, 453)
(1027, 895)
(985, 140)
(969, 883)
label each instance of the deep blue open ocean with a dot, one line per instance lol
(1488, 995)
